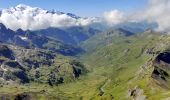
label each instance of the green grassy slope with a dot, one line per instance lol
(114, 68)
(120, 62)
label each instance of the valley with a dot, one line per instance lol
(127, 61)
(112, 70)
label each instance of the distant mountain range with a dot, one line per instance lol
(48, 35)
(34, 18)
(30, 39)
(93, 60)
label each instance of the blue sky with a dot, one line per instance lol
(80, 7)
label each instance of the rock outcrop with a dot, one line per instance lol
(137, 94)
(22, 65)
(161, 70)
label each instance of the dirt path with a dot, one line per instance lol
(102, 91)
(4, 69)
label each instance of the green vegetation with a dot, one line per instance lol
(109, 71)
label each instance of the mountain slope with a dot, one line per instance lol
(39, 61)
(122, 69)
(71, 35)
(104, 38)
(131, 68)
(30, 39)
(21, 65)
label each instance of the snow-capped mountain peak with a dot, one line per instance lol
(34, 18)
(22, 6)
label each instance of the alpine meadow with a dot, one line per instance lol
(84, 50)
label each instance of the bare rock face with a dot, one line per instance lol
(21, 96)
(24, 96)
(161, 70)
(6, 52)
(23, 65)
(16, 61)
(137, 94)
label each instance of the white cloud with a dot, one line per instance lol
(34, 18)
(26, 17)
(157, 11)
(114, 17)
